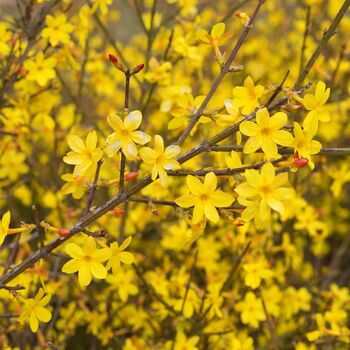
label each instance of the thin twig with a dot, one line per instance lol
(270, 324)
(188, 285)
(40, 229)
(152, 291)
(221, 75)
(93, 187)
(327, 35)
(334, 151)
(226, 285)
(306, 34)
(278, 89)
(221, 172)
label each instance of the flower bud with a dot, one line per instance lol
(113, 59)
(137, 69)
(63, 232)
(132, 175)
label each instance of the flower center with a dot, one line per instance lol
(265, 190)
(88, 258)
(204, 197)
(265, 131)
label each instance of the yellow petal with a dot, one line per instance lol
(210, 182)
(98, 270)
(91, 140)
(101, 255)
(221, 199)
(133, 120)
(71, 266)
(252, 144)
(158, 144)
(186, 201)
(43, 314)
(115, 122)
(74, 251)
(126, 258)
(125, 243)
(33, 322)
(76, 143)
(211, 213)
(282, 137)
(263, 118)
(130, 151)
(148, 155)
(248, 128)
(84, 275)
(217, 30)
(172, 151)
(5, 221)
(278, 120)
(198, 213)
(171, 164)
(276, 205)
(140, 137)
(195, 185)
(269, 148)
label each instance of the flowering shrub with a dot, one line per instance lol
(174, 175)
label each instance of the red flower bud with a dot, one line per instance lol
(299, 162)
(131, 176)
(63, 232)
(137, 69)
(112, 59)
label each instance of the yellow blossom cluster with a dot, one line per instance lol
(174, 175)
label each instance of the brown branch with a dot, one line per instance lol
(222, 172)
(334, 151)
(221, 75)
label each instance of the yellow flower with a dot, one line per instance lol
(263, 191)
(158, 72)
(76, 185)
(205, 198)
(247, 96)
(34, 310)
(161, 159)
(125, 135)
(87, 261)
(4, 226)
(57, 29)
(315, 104)
(303, 143)
(186, 106)
(251, 309)
(84, 155)
(216, 38)
(340, 175)
(266, 133)
(182, 342)
(118, 255)
(254, 273)
(40, 70)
